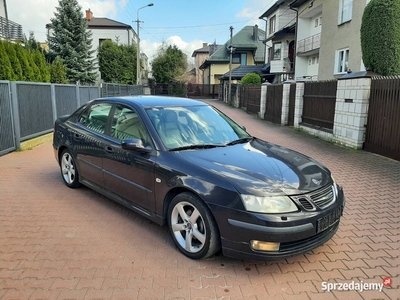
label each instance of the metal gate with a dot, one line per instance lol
(383, 125)
(273, 105)
(7, 137)
(319, 104)
(250, 98)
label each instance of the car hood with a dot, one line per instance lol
(261, 168)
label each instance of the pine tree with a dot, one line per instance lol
(6, 71)
(71, 41)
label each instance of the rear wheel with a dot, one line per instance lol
(192, 226)
(69, 171)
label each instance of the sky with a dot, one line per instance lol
(184, 23)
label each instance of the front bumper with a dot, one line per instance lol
(296, 232)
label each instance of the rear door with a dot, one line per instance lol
(90, 142)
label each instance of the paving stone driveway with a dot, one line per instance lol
(59, 243)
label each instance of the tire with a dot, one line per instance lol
(69, 172)
(192, 226)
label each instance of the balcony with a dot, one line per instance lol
(10, 30)
(310, 44)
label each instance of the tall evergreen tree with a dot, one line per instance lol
(40, 61)
(27, 71)
(15, 63)
(6, 71)
(71, 41)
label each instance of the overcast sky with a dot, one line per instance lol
(185, 23)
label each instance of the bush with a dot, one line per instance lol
(380, 37)
(251, 78)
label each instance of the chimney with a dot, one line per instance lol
(255, 32)
(89, 15)
(204, 45)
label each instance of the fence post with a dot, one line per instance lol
(53, 101)
(285, 104)
(298, 107)
(263, 99)
(78, 98)
(351, 111)
(15, 110)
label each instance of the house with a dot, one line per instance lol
(104, 29)
(328, 38)
(247, 48)
(280, 27)
(200, 55)
(8, 29)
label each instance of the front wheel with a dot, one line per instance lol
(192, 226)
(69, 171)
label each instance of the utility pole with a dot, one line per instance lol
(230, 66)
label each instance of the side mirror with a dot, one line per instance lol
(135, 145)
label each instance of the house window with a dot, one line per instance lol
(243, 59)
(239, 58)
(345, 10)
(236, 58)
(277, 50)
(342, 61)
(272, 25)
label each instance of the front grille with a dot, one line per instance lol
(306, 204)
(319, 199)
(323, 197)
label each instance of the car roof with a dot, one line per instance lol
(154, 101)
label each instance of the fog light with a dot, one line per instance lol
(264, 246)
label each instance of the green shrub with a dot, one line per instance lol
(251, 78)
(380, 37)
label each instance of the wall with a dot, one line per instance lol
(335, 37)
(2, 10)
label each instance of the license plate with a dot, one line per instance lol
(329, 220)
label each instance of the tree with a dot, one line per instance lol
(15, 63)
(6, 71)
(27, 71)
(251, 78)
(71, 41)
(380, 37)
(169, 65)
(40, 61)
(117, 63)
(58, 71)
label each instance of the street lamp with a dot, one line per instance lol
(138, 45)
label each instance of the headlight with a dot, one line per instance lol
(270, 205)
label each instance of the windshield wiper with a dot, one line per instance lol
(200, 146)
(240, 141)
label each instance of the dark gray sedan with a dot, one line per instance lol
(183, 163)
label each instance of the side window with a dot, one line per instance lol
(127, 124)
(95, 117)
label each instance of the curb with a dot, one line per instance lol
(29, 144)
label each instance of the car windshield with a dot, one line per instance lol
(200, 126)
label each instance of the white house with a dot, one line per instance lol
(106, 29)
